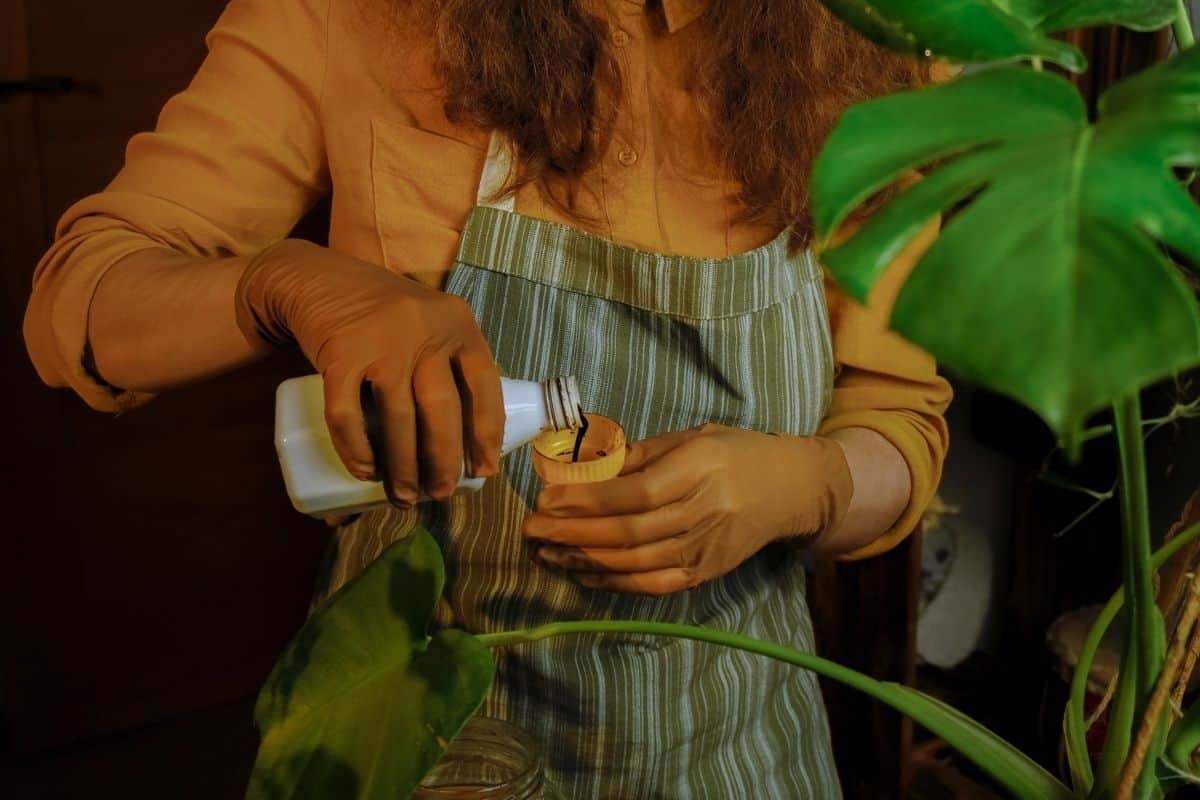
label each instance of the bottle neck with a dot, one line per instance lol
(531, 408)
(563, 407)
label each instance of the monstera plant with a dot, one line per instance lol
(1056, 279)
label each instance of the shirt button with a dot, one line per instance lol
(628, 157)
(620, 38)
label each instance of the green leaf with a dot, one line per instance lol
(1050, 284)
(363, 701)
(1050, 16)
(975, 31)
(965, 31)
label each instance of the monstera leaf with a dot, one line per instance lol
(1051, 284)
(363, 701)
(993, 30)
(1059, 15)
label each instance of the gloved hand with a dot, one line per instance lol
(691, 506)
(435, 383)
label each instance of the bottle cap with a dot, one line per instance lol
(601, 454)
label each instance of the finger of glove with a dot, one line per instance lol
(655, 583)
(640, 455)
(656, 555)
(626, 530)
(439, 425)
(398, 419)
(669, 478)
(344, 418)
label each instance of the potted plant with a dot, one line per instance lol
(1055, 280)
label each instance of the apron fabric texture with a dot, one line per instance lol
(659, 343)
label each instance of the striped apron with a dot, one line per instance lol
(659, 343)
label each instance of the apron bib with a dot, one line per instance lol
(659, 343)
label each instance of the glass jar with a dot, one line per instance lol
(489, 760)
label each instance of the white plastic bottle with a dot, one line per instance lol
(320, 485)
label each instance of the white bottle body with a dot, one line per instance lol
(319, 485)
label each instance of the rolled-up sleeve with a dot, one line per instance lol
(891, 386)
(233, 163)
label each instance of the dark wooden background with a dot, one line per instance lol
(152, 566)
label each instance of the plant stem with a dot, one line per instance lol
(1185, 672)
(992, 754)
(1185, 37)
(1075, 726)
(1162, 688)
(1142, 656)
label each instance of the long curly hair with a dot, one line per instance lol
(772, 77)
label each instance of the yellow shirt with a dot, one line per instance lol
(298, 98)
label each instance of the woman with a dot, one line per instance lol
(609, 189)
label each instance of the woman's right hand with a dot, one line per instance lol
(435, 382)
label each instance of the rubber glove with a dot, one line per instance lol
(435, 383)
(691, 506)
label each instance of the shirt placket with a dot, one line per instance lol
(628, 166)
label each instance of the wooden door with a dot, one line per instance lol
(152, 564)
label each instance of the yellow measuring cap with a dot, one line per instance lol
(601, 455)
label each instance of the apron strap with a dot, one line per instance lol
(496, 170)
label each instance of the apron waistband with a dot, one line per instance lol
(575, 260)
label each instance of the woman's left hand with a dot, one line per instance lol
(691, 506)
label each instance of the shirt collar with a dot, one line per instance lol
(681, 13)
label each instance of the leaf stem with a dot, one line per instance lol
(1011, 768)
(1185, 37)
(1142, 657)
(1076, 729)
